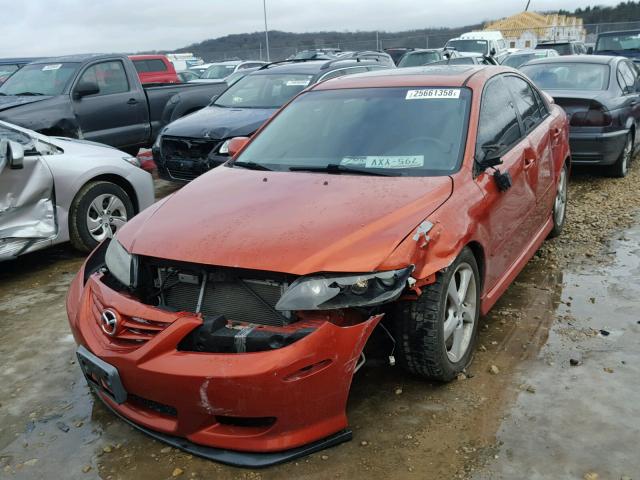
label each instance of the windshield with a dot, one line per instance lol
(6, 71)
(617, 42)
(478, 46)
(415, 59)
(263, 91)
(39, 79)
(561, 48)
(390, 131)
(218, 72)
(515, 61)
(568, 76)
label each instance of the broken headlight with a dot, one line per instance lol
(224, 148)
(122, 265)
(325, 292)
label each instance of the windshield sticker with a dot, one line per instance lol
(433, 93)
(297, 83)
(383, 161)
(54, 66)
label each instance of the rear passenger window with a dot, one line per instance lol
(525, 102)
(498, 124)
(626, 77)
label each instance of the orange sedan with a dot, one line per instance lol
(229, 318)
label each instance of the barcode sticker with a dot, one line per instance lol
(433, 93)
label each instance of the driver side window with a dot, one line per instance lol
(109, 76)
(498, 124)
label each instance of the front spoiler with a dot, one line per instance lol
(235, 458)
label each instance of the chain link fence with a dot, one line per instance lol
(516, 38)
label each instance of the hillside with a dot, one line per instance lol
(283, 44)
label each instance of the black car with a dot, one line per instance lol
(568, 47)
(396, 53)
(198, 142)
(619, 44)
(423, 56)
(601, 97)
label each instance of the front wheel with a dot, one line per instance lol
(97, 212)
(437, 332)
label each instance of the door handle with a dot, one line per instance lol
(132, 101)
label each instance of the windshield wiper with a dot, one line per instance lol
(251, 166)
(336, 168)
(25, 94)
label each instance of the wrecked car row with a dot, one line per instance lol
(407, 199)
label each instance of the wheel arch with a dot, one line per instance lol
(117, 180)
(479, 254)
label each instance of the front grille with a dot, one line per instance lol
(182, 174)
(179, 148)
(157, 407)
(238, 299)
(132, 331)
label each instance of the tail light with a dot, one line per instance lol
(596, 116)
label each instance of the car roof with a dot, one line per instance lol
(425, 76)
(19, 60)
(147, 57)
(558, 42)
(537, 51)
(618, 32)
(596, 59)
(77, 58)
(418, 50)
(313, 67)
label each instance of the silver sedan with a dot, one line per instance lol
(55, 189)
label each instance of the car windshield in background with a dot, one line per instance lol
(561, 48)
(218, 72)
(415, 59)
(382, 131)
(263, 91)
(39, 79)
(568, 76)
(621, 41)
(515, 61)
(478, 46)
(6, 70)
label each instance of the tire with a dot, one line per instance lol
(89, 222)
(559, 212)
(621, 167)
(420, 324)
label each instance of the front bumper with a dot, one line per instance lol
(596, 148)
(185, 170)
(186, 398)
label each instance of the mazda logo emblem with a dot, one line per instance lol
(109, 322)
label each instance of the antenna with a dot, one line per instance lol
(527, 7)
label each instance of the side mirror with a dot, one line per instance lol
(493, 51)
(590, 51)
(492, 156)
(236, 144)
(85, 88)
(15, 156)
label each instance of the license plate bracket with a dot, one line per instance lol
(101, 375)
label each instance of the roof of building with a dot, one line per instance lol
(535, 22)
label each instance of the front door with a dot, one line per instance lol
(116, 115)
(508, 212)
(27, 211)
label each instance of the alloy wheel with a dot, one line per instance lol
(106, 214)
(560, 204)
(460, 312)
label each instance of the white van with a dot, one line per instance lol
(487, 42)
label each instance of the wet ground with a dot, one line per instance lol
(552, 393)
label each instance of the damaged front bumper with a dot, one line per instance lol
(249, 409)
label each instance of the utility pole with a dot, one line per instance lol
(266, 29)
(527, 7)
(377, 41)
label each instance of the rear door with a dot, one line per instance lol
(27, 210)
(117, 114)
(508, 212)
(628, 81)
(538, 166)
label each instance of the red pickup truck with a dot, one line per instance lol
(154, 69)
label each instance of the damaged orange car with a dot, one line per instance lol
(228, 319)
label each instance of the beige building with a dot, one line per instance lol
(527, 29)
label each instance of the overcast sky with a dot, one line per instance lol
(56, 27)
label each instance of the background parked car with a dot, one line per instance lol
(220, 71)
(381, 57)
(187, 75)
(8, 66)
(486, 42)
(53, 190)
(97, 97)
(196, 143)
(625, 43)
(396, 53)
(154, 69)
(570, 47)
(424, 56)
(600, 95)
(514, 60)
(468, 59)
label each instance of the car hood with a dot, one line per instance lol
(219, 123)
(15, 101)
(293, 222)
